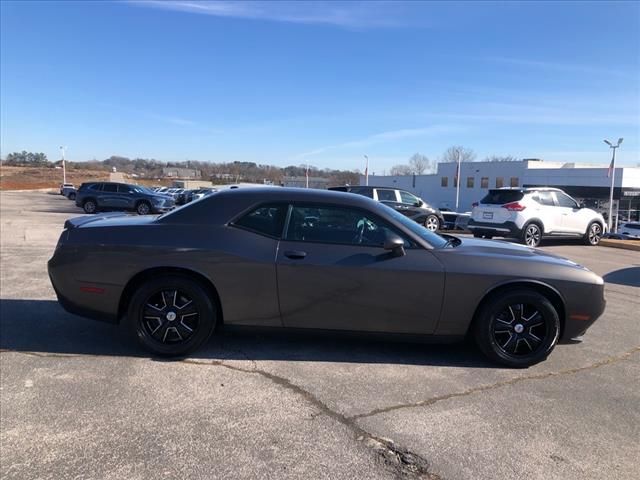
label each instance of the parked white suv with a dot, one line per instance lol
(529, 214)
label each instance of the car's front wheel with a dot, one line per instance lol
(532, 235)
(432, 223)
(594, 234)
(171, 315)
(143, 208)
(518, 328)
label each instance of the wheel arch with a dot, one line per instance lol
(139, 278)
(537, 221)
(549, 292)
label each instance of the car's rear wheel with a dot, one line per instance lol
(72, 196)
(594, 234)
(172, 315)
(518, 328)
(90, 206)
(432, 223)
(532, 235)
(143, 208)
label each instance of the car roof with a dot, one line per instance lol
(527, 189)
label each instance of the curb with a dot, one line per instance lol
(623, 244)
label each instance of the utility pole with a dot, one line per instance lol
(612, 174)
(64, 168)
(366, 171)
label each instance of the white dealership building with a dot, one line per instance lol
(585, 182)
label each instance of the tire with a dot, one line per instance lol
(432, 223)
(531, 235)
(143, 208)
(518, 328)
(90, 206)
(593, 234)
(72, 196)
(171, 324)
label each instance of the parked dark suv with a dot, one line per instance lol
(95, 196)
(404, 202)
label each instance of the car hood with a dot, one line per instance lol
(503, 249)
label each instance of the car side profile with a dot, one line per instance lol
(93, 197)
(529, 214)
(308, 260)
(402, 201)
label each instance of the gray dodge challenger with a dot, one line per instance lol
(310, 259)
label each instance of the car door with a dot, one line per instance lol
(571, 219)
(125, 197)
(334, 274)
(390, 197)
(109, 195)
(546, 210)
(411, 205)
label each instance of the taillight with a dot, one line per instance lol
(514, 206)
(475, 204)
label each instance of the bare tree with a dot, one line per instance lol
(401, 170)
(501, 158)
(458, 153)
(420, 164)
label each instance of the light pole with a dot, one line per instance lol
(366, 171)
(64, 168)
(612, 170)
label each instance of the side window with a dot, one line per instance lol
(544, 198)
(385, 195)
(565, 200)
(95, 186)
(409, 199)
(124, 189)
(346, 226)
(266, 220)
(110, 187)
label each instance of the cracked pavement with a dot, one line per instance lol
(78, 399)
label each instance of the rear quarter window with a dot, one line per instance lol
(500, 197)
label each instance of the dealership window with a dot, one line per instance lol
(266, 219)
(470, 182)
(499, 182)
(484, 182)
(444, 182)
(347, 226)
(514, 181)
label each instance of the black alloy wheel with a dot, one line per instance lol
(518, 329)
(594, 234)
(172, 315)
(532, 235)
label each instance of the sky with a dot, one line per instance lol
(320, 83)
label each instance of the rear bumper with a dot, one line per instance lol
(506, 229)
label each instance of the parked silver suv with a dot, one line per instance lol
(529, 214)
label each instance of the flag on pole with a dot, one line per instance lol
(610, 171)
(366, 171)
(306, 174)
(457, 176)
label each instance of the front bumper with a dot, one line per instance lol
(582, 311)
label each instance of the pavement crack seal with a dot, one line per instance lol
(493, 386)
(404, 462)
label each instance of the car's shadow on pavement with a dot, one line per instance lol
(625, 276)
(42, 326)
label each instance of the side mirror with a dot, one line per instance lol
(419, 203)
(395, 244)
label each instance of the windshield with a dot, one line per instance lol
(433, 238)
(141, 189)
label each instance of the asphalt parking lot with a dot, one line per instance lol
(79, 400)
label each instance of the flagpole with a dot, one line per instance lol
(457, 182)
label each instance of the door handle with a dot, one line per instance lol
(295, 254)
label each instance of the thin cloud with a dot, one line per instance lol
(383, 137)
(339, 14)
